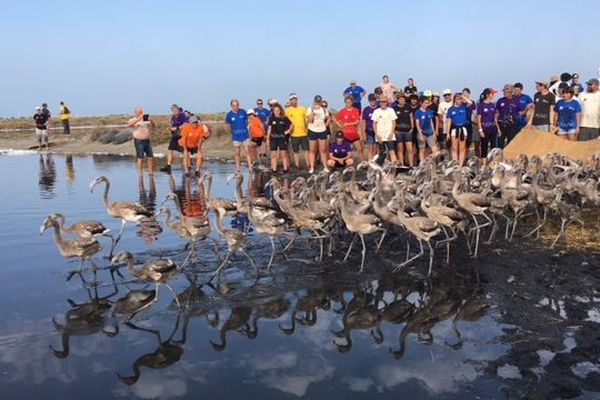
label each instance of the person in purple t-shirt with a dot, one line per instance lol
(507, 109)
(178, 118)
(366, 124)
(340, 152)
(487, 121)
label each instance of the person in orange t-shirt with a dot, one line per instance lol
(193, 135)
(257, 134)
(348, 120)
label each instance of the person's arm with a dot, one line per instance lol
(554, 126)
(375, 127)
(419, 130)
(530, 117)
(134, 121)
(290, 129)
(578, 122)
(412, 122)
(481, 134)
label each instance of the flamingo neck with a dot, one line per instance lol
(105, 195)
(219, 223)
(131, 266)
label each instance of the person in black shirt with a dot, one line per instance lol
(543, 107)
(278, 133)
(405, 124)
(410, 88)
(41, 119)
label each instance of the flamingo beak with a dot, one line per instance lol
(42, 229)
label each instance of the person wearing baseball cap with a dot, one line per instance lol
(41, 129)
(357, 94)
(543, 107)
(590, 111)
(366, 124)
(318, 117)
(384, 125)
(299, 139)
(340, 153)
(443, 108)
(507, 108)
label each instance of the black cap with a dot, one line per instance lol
(318, 98)
(565, 76)
(339, 134)
(563, 86)
(372, 97)
(518, 85)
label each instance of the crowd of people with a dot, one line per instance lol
(401, 124)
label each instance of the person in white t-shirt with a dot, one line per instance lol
(384, 124)
(317, 118)
(590, 111)
(442, 112)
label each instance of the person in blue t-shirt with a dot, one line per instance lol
(424, 124)
(457, 119)
(567, 116)
(357, 94)
(263, 114)
(237, 123)
(525, 104)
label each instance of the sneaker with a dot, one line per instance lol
(166, 168)
(325, 169)
(311, 171)
(187, 174)
(197, 173)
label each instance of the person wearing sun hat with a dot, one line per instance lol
(543, 107)
(442, 111)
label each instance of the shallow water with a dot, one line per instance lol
(307, 329)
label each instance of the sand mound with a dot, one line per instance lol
(533, 142)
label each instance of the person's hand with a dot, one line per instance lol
(421, 137)
(481, 134)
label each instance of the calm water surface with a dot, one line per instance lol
(312, 330)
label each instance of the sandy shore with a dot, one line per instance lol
(80, 142)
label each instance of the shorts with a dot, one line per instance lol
(143, 147)
(562, 131)
(589, 133)
(174, 142)
(543, 128)
(257, 141)
(42, 135)
(279, 143)
(192, 150)
(429, 141)
(459, 132)
(404, 137)
(388, 146)
(238, 143)
(299, 143)
(317, 135)
(371, 137)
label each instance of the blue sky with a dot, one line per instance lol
(109, 56)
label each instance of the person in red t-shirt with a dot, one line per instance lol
(348, 120)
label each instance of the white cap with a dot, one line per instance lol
(38, 108)
(272, 101)
(293, 96)
(250, 111)
(447, 91)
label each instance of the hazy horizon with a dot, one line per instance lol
(111, 57)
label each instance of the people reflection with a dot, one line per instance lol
(47, 175)
(70, 169)
(149, 228)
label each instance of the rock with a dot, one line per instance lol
(107, 137)
(122, 136)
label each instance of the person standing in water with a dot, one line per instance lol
(178, 118)
(141, 124)
(237, 123)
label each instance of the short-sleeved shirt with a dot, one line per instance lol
(443, 108)
(340, 150)
(319, 123)
(367, 113)
(384, 131)
(238, 121)
(508, 110)
(279, 125)
(177, 120)
(425, 119)
(346, 116)
(410, 90)
(263, 114)
(567, 114)
(590, 109)
(542, 104)
(356, 92)
(141, 129)
(487, 112)
(298, 117)
(41, 119)
(458, 115)
(403, 115)
(524, 101)
(192, 135)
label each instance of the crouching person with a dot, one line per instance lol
(340, 152)
(193, 135)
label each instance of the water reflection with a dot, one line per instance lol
(47, 176)
(69, 170)
(149, 228)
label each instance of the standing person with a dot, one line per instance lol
(543, 107)
(384, 125)
(278, 134)
(507, 108)
(357, 94)
(456, 121)
(299, 139)
(317, 133)
(410, 88)
(387, 87)
(424, 123)
(471, 107)
(405, 125)
(237, 122)
(65, 114)
(41, 129)
(193, 135)
(263, 114)
(141, 124)
(366, 125)
(178, 118)
(525, 105)
(575, 84)
(348, 119)
(340, 152)
(329, 121)
(257, 136)
(590, 111)
(442, 112)
(567, 118)
(487, 120)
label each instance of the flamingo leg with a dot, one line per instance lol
(287, 246)
(364, 252)
(431, 255)
(420, 254)
(223, 263)
(272, 253)
(249, 258)
(381, 240)
(562, 230)
(174, 295)
(350, 247)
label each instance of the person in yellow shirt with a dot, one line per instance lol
(299, 136)
(65, 114)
